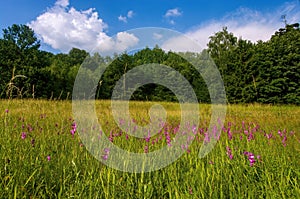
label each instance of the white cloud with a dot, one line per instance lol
(130, 14)
(62, 3)
(245, 23)
(63, 28)
(181, 44)
(119, 43)
(173, 13)
(122, 18)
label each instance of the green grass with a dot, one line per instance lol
(73, 172)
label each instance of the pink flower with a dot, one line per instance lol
(6, 110)
(284, 140)
(32, 142)
(48, 158)
(229, 153)
(190, 191)
(251, 157)
(106, 153)
(23, 135)
(229, 133)
(146, 149)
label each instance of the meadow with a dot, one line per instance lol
(42, 155)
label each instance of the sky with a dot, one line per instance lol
(106, 25)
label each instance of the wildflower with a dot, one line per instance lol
(284, 140)
(168, 139)
(258, 157)
(73, 128)
(48, 158)
(106, 153)
(190, 191)
(269, 136)
(251, 157)
(194, 129)
(29, 128)
(111, 136)
(229, 133)
(6, 110)
(23, 135)
(229, 153)
(250, 137)
(32, 142)
(206, 138)
(146, 149)
(147, 138)
(280, 133)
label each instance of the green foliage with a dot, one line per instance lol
(264, 72)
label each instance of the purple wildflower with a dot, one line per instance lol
(146, 149)
(6, 110)
(147, 138)
(190, 191)
(229, 153)
(32, 142)
(48, 158)
(280, 133)
(250, 137)
(284, 140)
(229, 133)
(251, 157)
(106, 153)
(23, 135)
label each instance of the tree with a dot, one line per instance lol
(22, 35)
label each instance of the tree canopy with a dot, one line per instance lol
(264, 72)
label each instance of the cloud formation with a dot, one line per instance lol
(248, 24)
(64, 28)
(171, 13)
(128, 16)
(243, 23)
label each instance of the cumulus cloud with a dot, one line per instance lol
(173, 13)
(243, 23)
(130, 14)
(124, 18)
(63, 3)
(119, 43)
(181, 44)
(63, 28)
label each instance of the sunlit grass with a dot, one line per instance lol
(26, 171)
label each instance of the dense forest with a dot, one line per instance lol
(263, 72)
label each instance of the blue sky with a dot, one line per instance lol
(63, 24)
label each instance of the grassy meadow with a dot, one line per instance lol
(42, 156)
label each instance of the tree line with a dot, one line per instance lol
(263, 72)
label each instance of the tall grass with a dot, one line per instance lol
(40, 158)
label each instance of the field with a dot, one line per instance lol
(42, 155)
